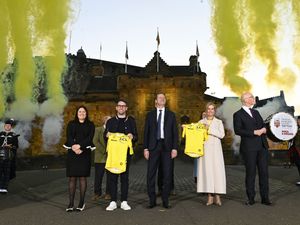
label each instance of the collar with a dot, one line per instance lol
(162, 109)
(246, 108)
(126, 118)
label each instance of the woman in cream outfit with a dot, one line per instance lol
(211, 168)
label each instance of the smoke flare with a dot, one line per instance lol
(263, 27)
(230, 43)
(20, 32)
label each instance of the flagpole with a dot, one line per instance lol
(69, 47)
(100, 50)
(197, 53)
(126, 57)
(157, 59)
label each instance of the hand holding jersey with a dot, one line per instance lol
(117, 147)
(195, 135)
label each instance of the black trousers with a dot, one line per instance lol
(296, 158)
(124, 177)
(159, 156)
(252, 160)
(160, 177)
(99, 174)
(4, 173)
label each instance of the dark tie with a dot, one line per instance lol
(159, 125)
(251, 111)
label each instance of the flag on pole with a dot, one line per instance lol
(157, 38)
(126, 57)
(126, 52)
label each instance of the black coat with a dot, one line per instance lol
(82, 134)
(129, 123)
(170, 131)
(244, 126)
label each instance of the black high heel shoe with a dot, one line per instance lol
(80, 207)
(70, 208)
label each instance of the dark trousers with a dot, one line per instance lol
(160, 176)
(296, 159)
(99, 174)
(4, 173)
(156, 157)
(124, 177)
(252, 160)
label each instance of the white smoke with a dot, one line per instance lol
(272, 106)
(52, 131)
(231, 105)
(225, 112)
(24, 129)
(22, 110)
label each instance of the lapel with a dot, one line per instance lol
(246, 114)
(166, 117)
(155, 118)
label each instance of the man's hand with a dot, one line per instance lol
(260, 131)
(263, 130)
(173, 153)
(108, 134)
(146, 153)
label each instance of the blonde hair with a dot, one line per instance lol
(209, 104)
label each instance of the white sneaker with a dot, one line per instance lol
(125, 206)
(4, 191)
(298, 183)
(1, 190)
(112, 206)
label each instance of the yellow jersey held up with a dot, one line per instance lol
(195, 135)
(117, 148)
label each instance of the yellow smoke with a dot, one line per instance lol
(296, 13)
(20, 33)
(230, 43)
(263, 27)
(50, 27)
(3, 50)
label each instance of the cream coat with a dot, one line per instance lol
(211, 168)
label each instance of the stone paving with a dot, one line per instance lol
(40, 197)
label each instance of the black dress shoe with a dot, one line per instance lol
(250, 202)
(266, 202)
(166, 206)
(151, 205)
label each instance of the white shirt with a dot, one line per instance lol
(247, 109)
(162, 135)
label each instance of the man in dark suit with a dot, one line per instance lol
(249, 124)
(160, 147)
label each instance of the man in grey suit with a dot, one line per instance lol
(160, 147)
(249, 124)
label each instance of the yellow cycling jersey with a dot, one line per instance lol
(117, 148)
(195, 134)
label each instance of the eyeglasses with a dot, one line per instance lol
(121, 106)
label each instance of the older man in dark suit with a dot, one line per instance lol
(249, 124)
(160, 147)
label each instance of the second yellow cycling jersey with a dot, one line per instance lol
(195, 134)
(117, 148)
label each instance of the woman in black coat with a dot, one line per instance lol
(80, 132)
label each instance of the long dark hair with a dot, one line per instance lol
(76, 114)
